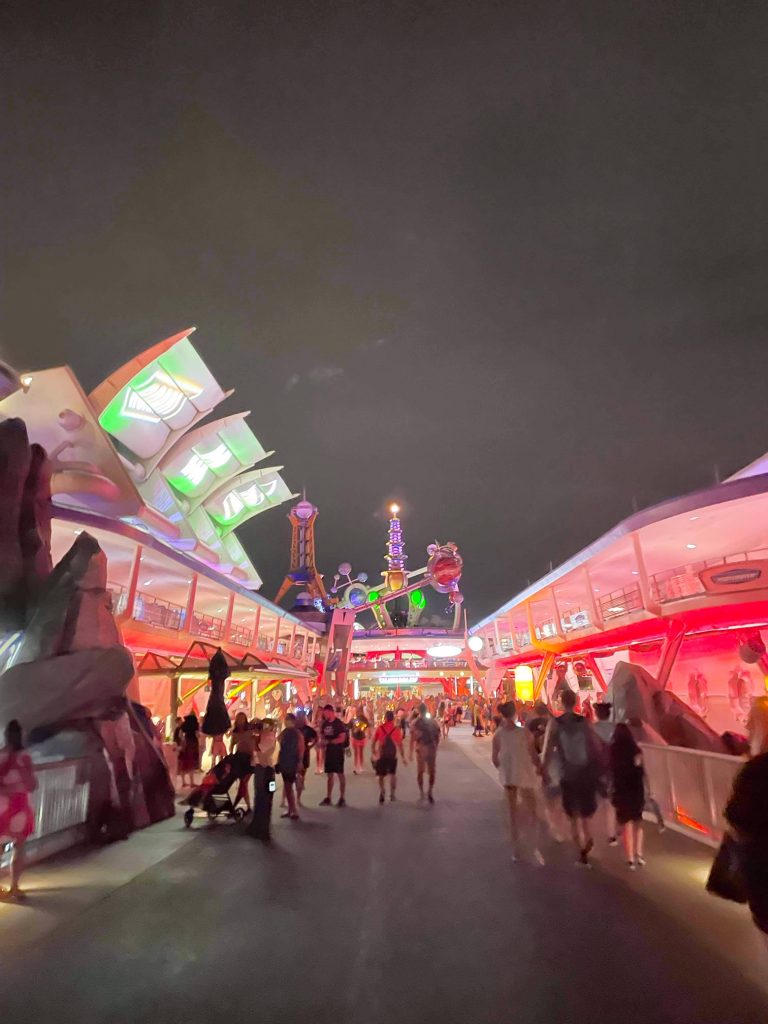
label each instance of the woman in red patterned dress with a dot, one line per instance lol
(17, 823)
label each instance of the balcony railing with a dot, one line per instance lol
(621, 602)
(119, 595)
(402, 664)
(240, 635)
(206, 626)
(153, 610)
(683, 580)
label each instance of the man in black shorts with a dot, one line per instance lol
(333, 739)
(571, 739)
(387, 744)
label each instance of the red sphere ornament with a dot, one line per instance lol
(445, 567)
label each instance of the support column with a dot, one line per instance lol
(558, 620)
(133, 584)
(175, 696)
(228, 620)
(190, 604)
(642, 577)
(594, 607)
(290, 642)
(277, 633)
(497, 635)
(256, 622)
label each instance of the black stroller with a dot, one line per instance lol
(213, 795)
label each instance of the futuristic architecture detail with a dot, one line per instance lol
(135, 449)
(303, 571)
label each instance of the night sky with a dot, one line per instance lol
(504, 262)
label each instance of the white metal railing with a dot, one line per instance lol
(692, 788)
(60, 802)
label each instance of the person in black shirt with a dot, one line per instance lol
(310, 741)
(333, 739)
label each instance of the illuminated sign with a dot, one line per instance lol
(444, 651)
(747, 575)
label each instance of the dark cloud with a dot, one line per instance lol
(551, 212)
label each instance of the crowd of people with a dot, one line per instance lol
(554, 763)
(285, 740)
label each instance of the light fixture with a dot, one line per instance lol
(475, 644)
(693, 519)
(616, 608)
(635, 572)
(444, 651)
(394, 509)
(691, 547)
(147, 583)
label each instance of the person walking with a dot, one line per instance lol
(514, 756)
(604, 728)
(747, 815)
(310, 741)
(387, 745)
(628, 791)
(425, 738)
(189, 753)
(333, 740)
(242, 746)
(17, 822)
(572, 743)
(360, 727)
(289, 761)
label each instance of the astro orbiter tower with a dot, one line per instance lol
(303, 571)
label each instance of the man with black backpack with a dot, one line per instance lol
(579, 753)
(425, 737)
(387, 744)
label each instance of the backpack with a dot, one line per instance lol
(573, 742)
(427, 732)
(389, 747)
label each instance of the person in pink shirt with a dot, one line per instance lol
(17, 822)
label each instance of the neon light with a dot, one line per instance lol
(417, 599)
(161, 397)
(690, 822)
(194, 470)
(253, 496)
(233, 506)
(216, 458)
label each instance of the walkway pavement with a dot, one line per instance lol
(402, 913)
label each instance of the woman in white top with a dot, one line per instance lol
(514, 755)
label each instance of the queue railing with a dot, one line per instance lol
(60, 808)
(691, 788)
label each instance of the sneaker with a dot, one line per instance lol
(326, 802)
(538, 857)
(640, 861)
(613, 841)
(392, 797)
(341, 802)
(631, 865)
(381, 798)
(286, 815)
(430, 798)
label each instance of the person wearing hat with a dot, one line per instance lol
(333, 739)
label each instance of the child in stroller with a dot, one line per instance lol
(213, 794)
